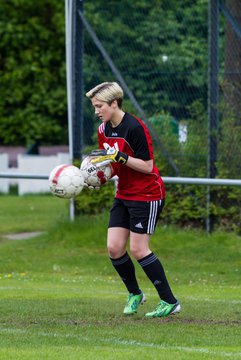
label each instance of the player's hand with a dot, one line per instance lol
(91, 187)
(103, 157)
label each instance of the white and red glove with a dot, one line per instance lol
(91, 187)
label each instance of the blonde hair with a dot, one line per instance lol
(107, 92)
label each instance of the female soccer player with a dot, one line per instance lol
(125, 141)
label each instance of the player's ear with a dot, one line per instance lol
(114, 104)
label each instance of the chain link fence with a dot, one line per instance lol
(159, 51)
(179, 65)
(229, 154)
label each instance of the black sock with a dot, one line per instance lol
(125, 268)
(155, 272)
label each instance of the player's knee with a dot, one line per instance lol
(114, 252)
(137, 253)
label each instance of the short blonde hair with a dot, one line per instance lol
(107, 92)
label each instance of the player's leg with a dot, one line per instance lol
(118, 235)
(139, 246)
(147, 215)
(116, 244)
(117, 238)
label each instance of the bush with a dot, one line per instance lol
(96, 201)
(185, 205)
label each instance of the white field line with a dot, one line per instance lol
(128, 343)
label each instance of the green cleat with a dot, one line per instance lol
(164, 309)
(133, 302)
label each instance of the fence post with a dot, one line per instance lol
(75, 83)
(213, 100)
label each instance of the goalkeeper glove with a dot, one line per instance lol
(91, 187)
(103, 157)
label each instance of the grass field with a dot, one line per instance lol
(61, 299)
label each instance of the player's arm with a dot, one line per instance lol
(144, 166)
(103, 157)
(143, 160)
(141, 144)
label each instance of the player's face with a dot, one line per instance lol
(103, 110)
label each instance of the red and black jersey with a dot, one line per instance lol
(132, 137)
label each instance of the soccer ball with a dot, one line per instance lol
(66, 181)
(93, 175)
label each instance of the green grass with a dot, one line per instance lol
(28, 213)
(61, 299)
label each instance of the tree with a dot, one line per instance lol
(232, 65)
(32, 72)
(230, 140)
(160, 50)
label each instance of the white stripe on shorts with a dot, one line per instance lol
(152, 216)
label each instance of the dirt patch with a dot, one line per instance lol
(23, 235)
(203, 321)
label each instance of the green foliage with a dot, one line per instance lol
(193, 153)
(229, 148)
(138, 45)
(32, 72)
(160, 49)
(166, 129)
(227, 208)
(190, 155)
(96, 201)
(185, 206)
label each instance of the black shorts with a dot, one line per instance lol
(138, 216)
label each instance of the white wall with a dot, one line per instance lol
(4, 183)
(41, 165)
(31, 164)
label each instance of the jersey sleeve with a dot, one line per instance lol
(141, 143)
(101, 135)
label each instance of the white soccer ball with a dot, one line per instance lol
(93, 175)
(66, 181)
